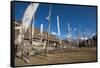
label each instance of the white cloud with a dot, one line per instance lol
(54, 33)
(84, 38)
(64, 35)
(74, 29)
(93, 34)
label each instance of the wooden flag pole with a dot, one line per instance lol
(48, 18)
(58, 21)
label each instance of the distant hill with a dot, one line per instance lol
(92, 42)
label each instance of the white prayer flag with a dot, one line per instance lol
(26, 21)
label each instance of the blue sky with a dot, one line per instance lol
(77, 16)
